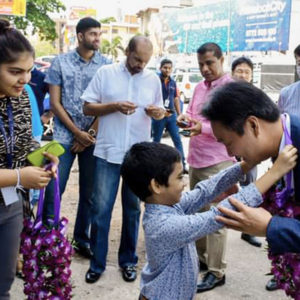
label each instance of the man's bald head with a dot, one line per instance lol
(138, 52)
(139, 41)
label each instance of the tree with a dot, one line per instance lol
(43, 47)
(108, 20)
(111, 48)
(37, 18)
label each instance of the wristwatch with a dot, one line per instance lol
(92, 132)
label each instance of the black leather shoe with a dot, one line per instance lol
(91, 277)
(251, 239)
(129, 273)
(83, 251)
(202, 266)
(209, 282)
(272, 285)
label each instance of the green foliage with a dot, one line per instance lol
(44, 48)
(108, 20)
(111, 48)
(37, 18)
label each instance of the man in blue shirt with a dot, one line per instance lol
(172, 106)
(68, 77)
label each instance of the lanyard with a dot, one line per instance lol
(167, 88)
(9, 141)
(288, 141)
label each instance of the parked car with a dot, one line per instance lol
(186, 82)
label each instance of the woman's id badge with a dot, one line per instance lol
(9, 194)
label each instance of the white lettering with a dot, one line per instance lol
(275, 6)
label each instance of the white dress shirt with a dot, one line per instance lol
(118, 132)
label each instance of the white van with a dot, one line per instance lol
(186, 83)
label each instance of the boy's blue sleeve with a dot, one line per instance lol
(175, 231)
(207, 190)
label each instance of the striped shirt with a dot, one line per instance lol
(289, 99)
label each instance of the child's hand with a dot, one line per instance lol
(285, 161)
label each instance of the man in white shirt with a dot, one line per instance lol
(126, 97)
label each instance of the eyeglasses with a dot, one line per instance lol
(240, 71)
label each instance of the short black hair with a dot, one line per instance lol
(210, 47)
(146, 161)
(12, 43)
(297, 50)
(242, 60)
(85, 24)
(234, 102)
(165, 61)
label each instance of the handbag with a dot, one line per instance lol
(47, 254)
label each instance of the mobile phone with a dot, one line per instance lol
(184, 124)
(186, 133)
(36, 158)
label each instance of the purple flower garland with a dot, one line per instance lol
(285, 267)
(47, 254)
(47, 258)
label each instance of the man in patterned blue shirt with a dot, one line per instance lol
(171, 223)
(68, 77)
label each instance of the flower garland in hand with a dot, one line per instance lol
(47, 258)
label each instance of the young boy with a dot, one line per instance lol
(154, 173)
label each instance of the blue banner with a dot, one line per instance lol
(255, 25)
(260, 25)
(188, 28)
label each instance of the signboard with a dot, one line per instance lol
(235, 25)
(260, 25)
(78, 12)
(13, 7)
(190, 27)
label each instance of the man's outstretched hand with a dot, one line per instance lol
(247, 219)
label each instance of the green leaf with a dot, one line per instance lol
(37, 17)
